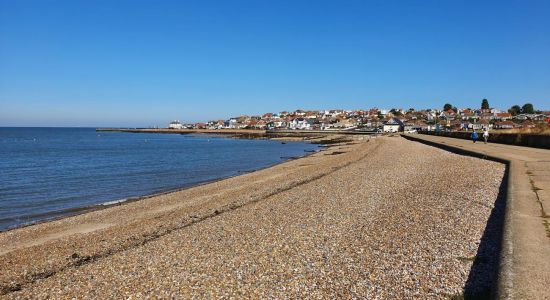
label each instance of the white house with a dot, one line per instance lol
(175, 125)
(234, 123)
(301, 123)
(392, 125)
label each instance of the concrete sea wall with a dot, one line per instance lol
(529, 140)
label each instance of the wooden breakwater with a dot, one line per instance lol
(309, 133)
(241, 133)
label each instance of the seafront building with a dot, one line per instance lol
(393, 120)
(175, 125)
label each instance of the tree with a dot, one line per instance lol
(447, 106)
(528, 108)
(396, 112)
(484, 104)
(514, 110)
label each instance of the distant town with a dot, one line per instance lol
(447, 118)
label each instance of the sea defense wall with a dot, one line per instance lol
(518, 139)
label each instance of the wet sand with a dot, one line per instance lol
(383, 218)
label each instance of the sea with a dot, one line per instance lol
(47, 173)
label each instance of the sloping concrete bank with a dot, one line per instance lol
(524, 267)
(529, 140)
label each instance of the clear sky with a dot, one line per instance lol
(144, 63)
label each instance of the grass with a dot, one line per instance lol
(462, 258)
(474, 259)
(542, 129)
(486, 294)
(547, 226)
(455, 297)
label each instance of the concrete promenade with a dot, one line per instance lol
(525, 260)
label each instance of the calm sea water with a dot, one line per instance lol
(48, 172)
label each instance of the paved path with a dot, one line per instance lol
(525, 266)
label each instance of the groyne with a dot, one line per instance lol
(243, 133)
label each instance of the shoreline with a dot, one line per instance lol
(76, 211)
(58, 224)
(326, 220)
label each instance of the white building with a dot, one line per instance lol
(301, 123)
(175, 125)
(392, 125)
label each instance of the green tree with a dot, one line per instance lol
(514, 110)
(484, 104)
(447, 106)
(396, 112)
(528, 108)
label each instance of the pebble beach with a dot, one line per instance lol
(378, 218)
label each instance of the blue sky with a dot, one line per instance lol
(144, 63)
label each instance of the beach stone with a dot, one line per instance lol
(388, 219)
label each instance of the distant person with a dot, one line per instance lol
(474, 135)
(486, 134)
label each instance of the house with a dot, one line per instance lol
(503, 116)
(420, 126)
(535, 117)
(300, 112)
(325, 125)
(345, 123)
(468, 114)
(251, 123)
(276, 123)
(448, 114)
(475, 126)
(485, 124)
(456, 125)
(261, 124)
(392, 125)
(408, 126)
(200, 125)
(487, 116)
(505, 125)
(235, 123)
(301, 123)
(311, 115)
(217, 124)
(528, 124)
(175, 125)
